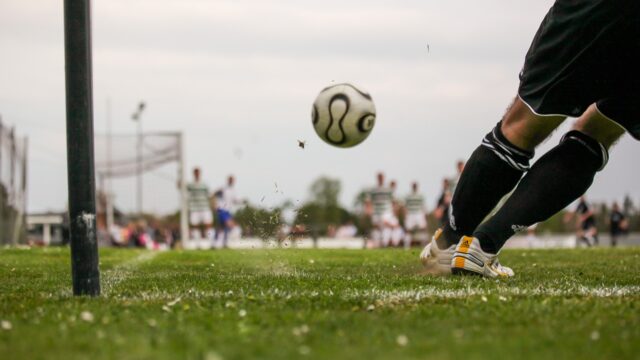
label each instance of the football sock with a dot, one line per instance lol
(491, 172)
(554, 181)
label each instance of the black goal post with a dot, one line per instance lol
(80, 162)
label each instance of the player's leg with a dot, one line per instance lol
(418, 229)
(205, 222)
(397, 235)
(376, 237)
(386, 231)
(492, 171)
(386, 235)
(588, 236)
(411, 228)
(376, 232)
(581, 235)
(199, 224)
(408, 235)
(194, 232)
(593, 235)
(555, 180)
(225, 235)
(396, 231)
(578, 55)
(215, 229)
(193, 225)
(228, 225)
(495, 167)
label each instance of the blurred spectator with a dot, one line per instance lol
(441, 211)
(347, 230)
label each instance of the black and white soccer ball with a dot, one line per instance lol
(343, 115)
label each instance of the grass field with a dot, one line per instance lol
(322, 304)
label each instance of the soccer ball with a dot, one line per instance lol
(343, 115)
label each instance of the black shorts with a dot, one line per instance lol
(586, 52)
(588, 224)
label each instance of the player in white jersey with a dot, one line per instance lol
(200, 216)
(415, 220)
(380, 203)
(225, 204)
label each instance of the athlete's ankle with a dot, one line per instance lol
(486, 243)
(449, 237)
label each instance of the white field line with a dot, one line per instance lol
(394, 296)
(577, 291)
(111, 278)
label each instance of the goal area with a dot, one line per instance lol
(139, 174)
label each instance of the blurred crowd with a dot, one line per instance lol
(143, 234)
(383, 218)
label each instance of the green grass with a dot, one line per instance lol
(322, 304)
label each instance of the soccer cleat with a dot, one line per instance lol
(470, 259)
(437, 261)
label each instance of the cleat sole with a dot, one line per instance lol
(464, 272)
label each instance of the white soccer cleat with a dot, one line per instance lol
(469, 258)
(437, 261)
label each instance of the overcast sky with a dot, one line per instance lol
(238, 77)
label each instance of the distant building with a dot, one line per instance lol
(51, 228)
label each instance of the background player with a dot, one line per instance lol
(582, 62)
(226, 201)
(200, 216)
(586, 230)
(415, 220)
(617, 224)
(441, 211)
(380, 203)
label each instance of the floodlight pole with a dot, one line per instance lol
(108, 191)
(80, 162)
(139, 169)
(184, 211)
(137, 117)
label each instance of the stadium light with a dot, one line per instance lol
(80, 162)
(137, 117)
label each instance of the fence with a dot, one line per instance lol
(13, 186)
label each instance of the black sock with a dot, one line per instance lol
(491, 172)
(554, 181)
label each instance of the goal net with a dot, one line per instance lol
(13, 186)
(139, 174)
